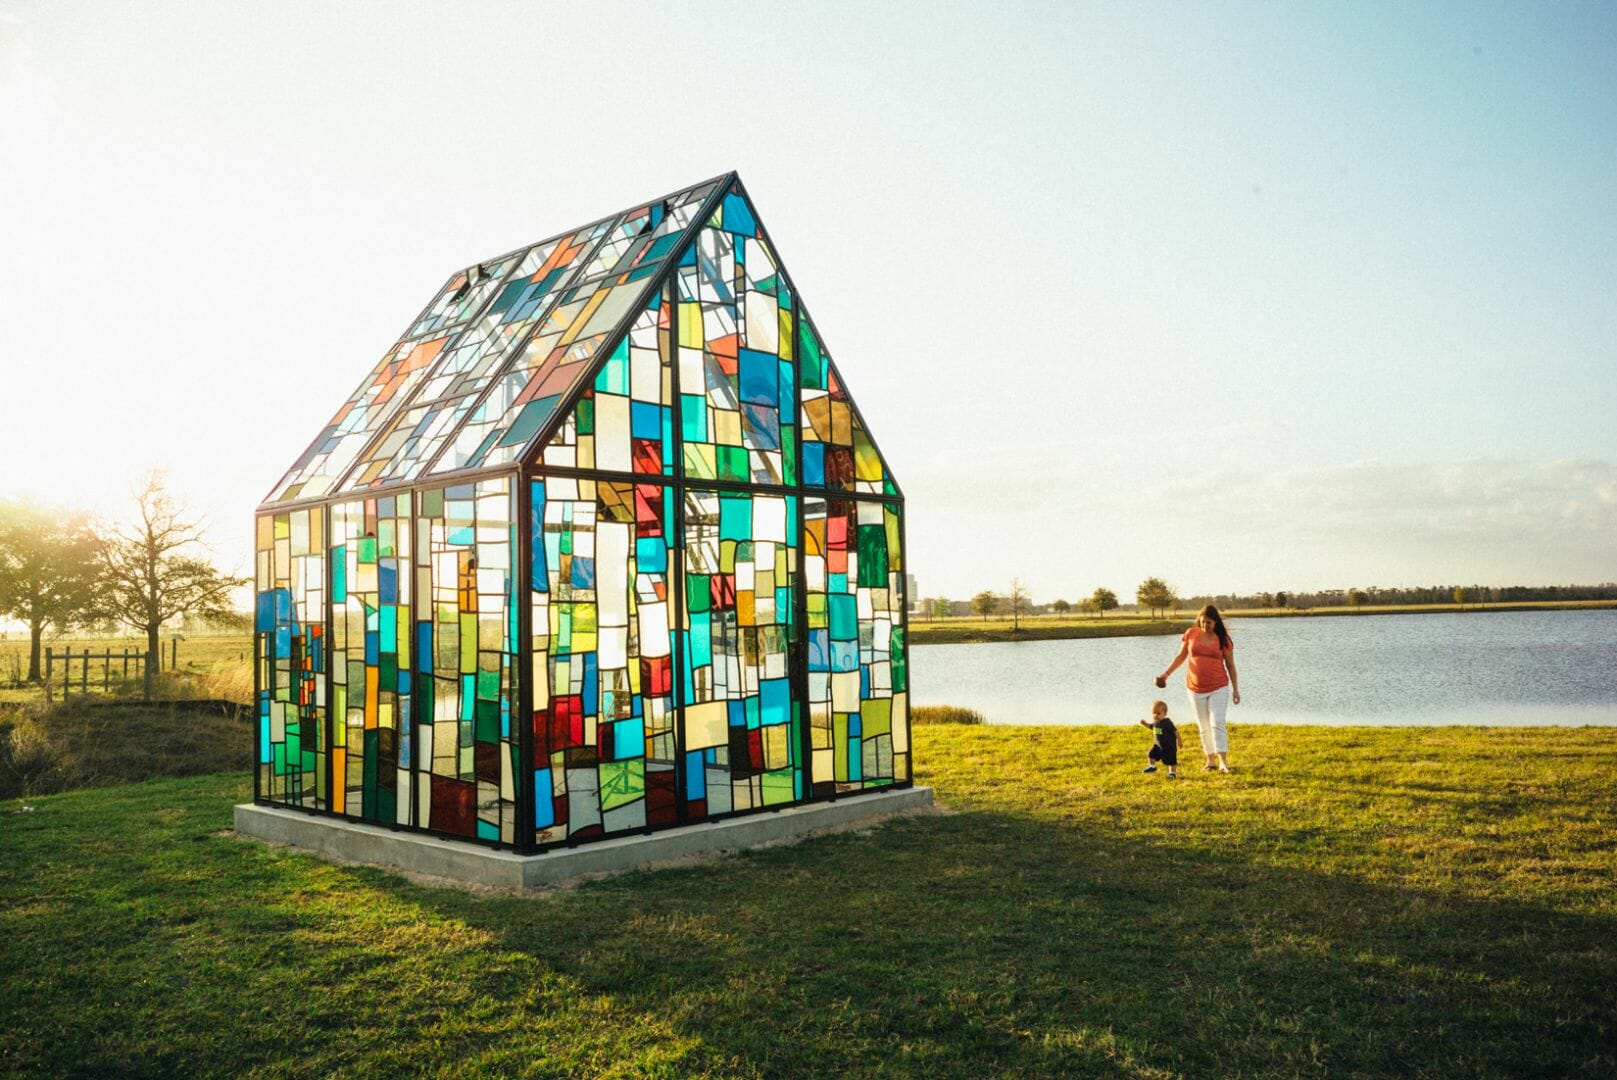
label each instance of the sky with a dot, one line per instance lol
(1248, 297)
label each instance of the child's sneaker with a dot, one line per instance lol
(1173, 776)
(1149, 768)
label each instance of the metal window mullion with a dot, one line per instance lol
(330, 739)
(677, 528)
(904, 616)
(526, 791)
(258, 664)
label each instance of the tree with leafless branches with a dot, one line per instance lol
(155, 568)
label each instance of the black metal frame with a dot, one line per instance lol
(527, 469)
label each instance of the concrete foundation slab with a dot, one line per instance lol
(373, 845)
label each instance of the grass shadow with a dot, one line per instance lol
(987, 943)
(1073, 919)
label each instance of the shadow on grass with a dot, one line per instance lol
(141, 940)
(986, 943)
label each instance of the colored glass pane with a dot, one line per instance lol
(371, 661)
(292, 656)
(742, 731)
(602, 658)
(854, 575)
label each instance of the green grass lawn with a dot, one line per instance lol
(1360, 901)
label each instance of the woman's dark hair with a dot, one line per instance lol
(1218, 625)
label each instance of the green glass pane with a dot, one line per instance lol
(339, 574)
(622, 782)
(732, 462)
(813, 363)
(899, 658)
(873, 556)
(488, 722)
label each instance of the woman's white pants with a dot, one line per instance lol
(1211, 708)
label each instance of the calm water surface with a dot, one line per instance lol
(1528, 667)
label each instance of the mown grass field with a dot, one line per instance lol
(955, 630)
(1359, 901)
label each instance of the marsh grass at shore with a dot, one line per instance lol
(1353, 901)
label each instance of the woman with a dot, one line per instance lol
(1211, 681)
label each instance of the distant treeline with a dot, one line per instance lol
(1418, 594)
(1320, 598)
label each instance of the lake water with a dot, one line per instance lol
(1516, 668)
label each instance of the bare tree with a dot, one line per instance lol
(1019, 602)
(153, 570)
(47, 571)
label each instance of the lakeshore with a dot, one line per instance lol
(962, 630)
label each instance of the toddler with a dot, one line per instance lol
(1166, 747)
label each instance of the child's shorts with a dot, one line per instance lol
(1166, 755)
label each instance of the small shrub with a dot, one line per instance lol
(945, 714)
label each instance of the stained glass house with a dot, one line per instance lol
(600, 546)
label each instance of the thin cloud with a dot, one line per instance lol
(1493, 521)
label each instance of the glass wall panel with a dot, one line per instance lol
(742, 724)
(837, 450)
(465, 646)
(857, 669)
(290, 651)
(602, 656)
(737, 383)
(371, 658)
(625, 422)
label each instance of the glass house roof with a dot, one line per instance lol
(487, 372)
(479, 373)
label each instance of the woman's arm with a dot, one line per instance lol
(1235, 683)
(1184, 651)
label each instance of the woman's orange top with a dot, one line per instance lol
(1205, 672)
